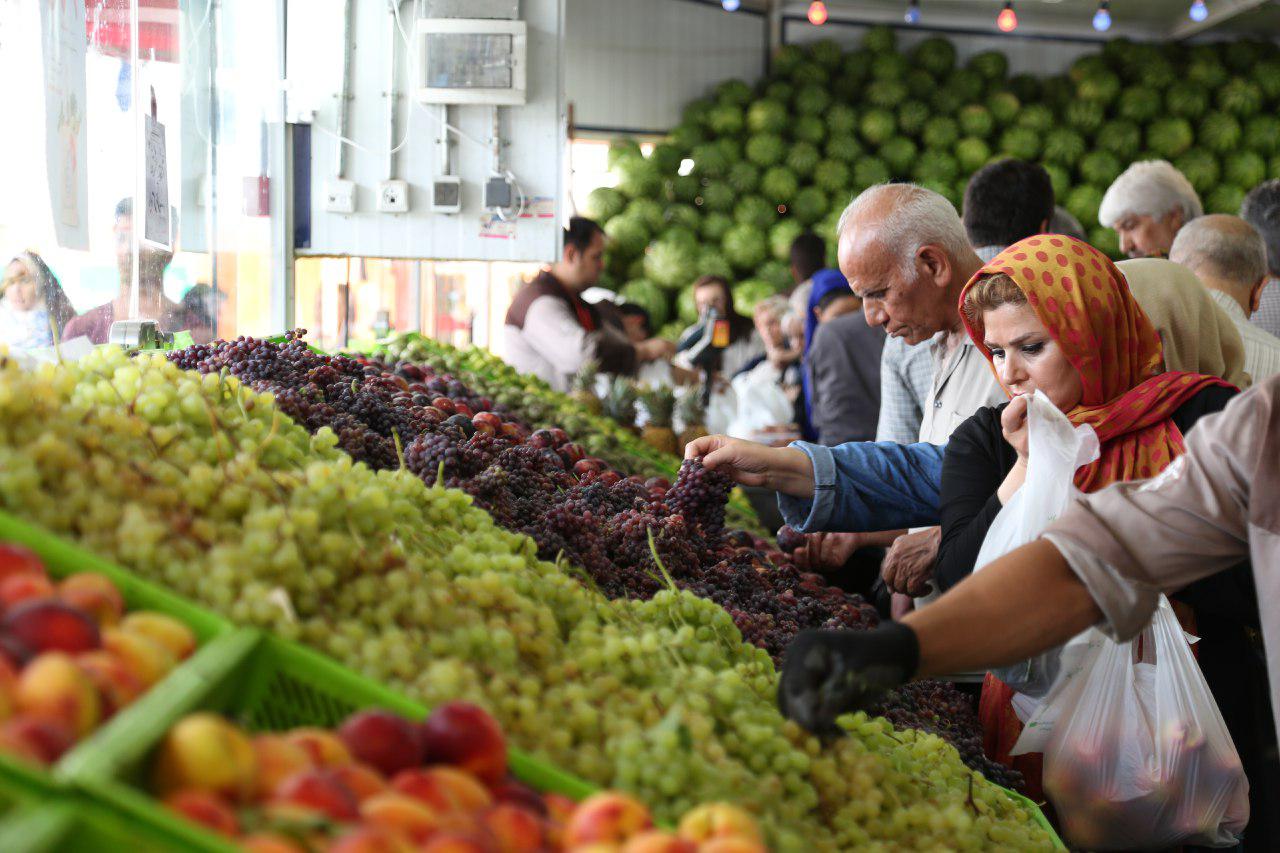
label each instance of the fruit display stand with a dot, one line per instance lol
(265, 684)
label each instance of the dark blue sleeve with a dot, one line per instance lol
(865, 486)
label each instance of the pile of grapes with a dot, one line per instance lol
(210, 489)
(631, 537)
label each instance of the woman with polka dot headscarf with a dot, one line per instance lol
(1053, 314)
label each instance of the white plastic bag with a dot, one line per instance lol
(1137, 755)
(761, 402)
(1055, 449)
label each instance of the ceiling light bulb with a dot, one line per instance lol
(817, 13)
(913, 12)
(1199, 11)
(730, 5)
(1007, 20)
(1102, 17)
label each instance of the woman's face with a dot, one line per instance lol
(20, 286)
(711, 296)
(1027, 358)
(769, 326)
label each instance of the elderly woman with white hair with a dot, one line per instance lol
(1146, 206)
(766, 389)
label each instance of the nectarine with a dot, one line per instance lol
(53, 687)
(515, 829)
(325, 748)
(370, 839)
(446, 789)
(466, 736)
(277, 759)
(608, 816)
(719, 820)
(24, 587)
(205, 808)
(94, 594)
(402, 813)
(321, 790)
(386, 741)
(111, 676)
(658, 841)
(206, 752)
(362, 779)
(41, 740)
(165, 630)
(15, 559)
(45, 625)
(147, 660)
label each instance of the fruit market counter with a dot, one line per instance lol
(300, 496)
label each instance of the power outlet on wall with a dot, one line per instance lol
(393, 197)
(340, 196)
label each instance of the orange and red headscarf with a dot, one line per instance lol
(1084, 301)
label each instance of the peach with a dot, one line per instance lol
(325, 748)
(519, 794)
(165, 630)
(111, 676)
(362, 779)
(446, 789)
(95, 594)
(719, 820)
(515, 829)
(277, 759)
(320, 790)
(559, 809)
(270, 842)
(386, 741)
(45, 625)
(39, 740)
(466, 736)
(206, 752)
(370, 839)
(205, 808)
(146, 659)
(402, 813)
(15, 559)
(23, 587)
(657, 841)
(732, 844)
(608, 816)
(53, 687)
(456, 842)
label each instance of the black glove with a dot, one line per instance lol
(829, 673)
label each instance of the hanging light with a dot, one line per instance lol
(1007, 20)
(1198, 11)
(913, 12)
(817, 13)
(1102, 17)
(730, 5)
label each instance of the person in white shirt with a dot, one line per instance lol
(1261, 209)
(1146, 206)
(1229, 257)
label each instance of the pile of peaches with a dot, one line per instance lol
(71, 657)
(380, 783)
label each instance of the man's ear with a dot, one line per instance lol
(936, 263)
(1255, 297)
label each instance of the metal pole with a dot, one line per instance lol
(344, 89)
(392, 93)
(283, 308)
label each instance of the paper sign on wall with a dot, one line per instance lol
(494, 228)
(63, 37)
(156, 229)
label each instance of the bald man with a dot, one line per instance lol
(1229, 256)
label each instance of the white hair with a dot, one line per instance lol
(1226, 247)
(913, 217)
(1150, 188)
(777, 306)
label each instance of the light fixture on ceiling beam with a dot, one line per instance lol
(730, 5)
(913, 12)
(817, 13)
(1007, 20)
(1198, 11)
(1102, 17)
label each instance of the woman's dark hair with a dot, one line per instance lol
(1007, 201)
(629, 309)
(808, 254)
(581, 232)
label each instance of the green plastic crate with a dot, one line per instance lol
(62, 558)
(265, 684)
(76, 825)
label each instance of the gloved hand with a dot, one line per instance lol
(832, 672)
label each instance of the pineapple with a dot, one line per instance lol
(660, 403)
(583, 391)
(691, 414)
(620, 403)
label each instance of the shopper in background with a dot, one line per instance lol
(95, 324)
(33, 307)
(1005, 201)
(1197, 335)
(712, 291)
(551, 333)
(1146, 206)
(829, 297)
(808, 255)
(1261, 209)
(843, 366)
(767, 390)
(1229, 257)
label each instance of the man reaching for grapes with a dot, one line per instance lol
(551, 332)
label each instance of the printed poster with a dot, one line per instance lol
(63, 36)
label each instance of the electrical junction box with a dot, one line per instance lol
(393, 197)
(340, 196)
(471, 61)
(446, 194)
(498, 194)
